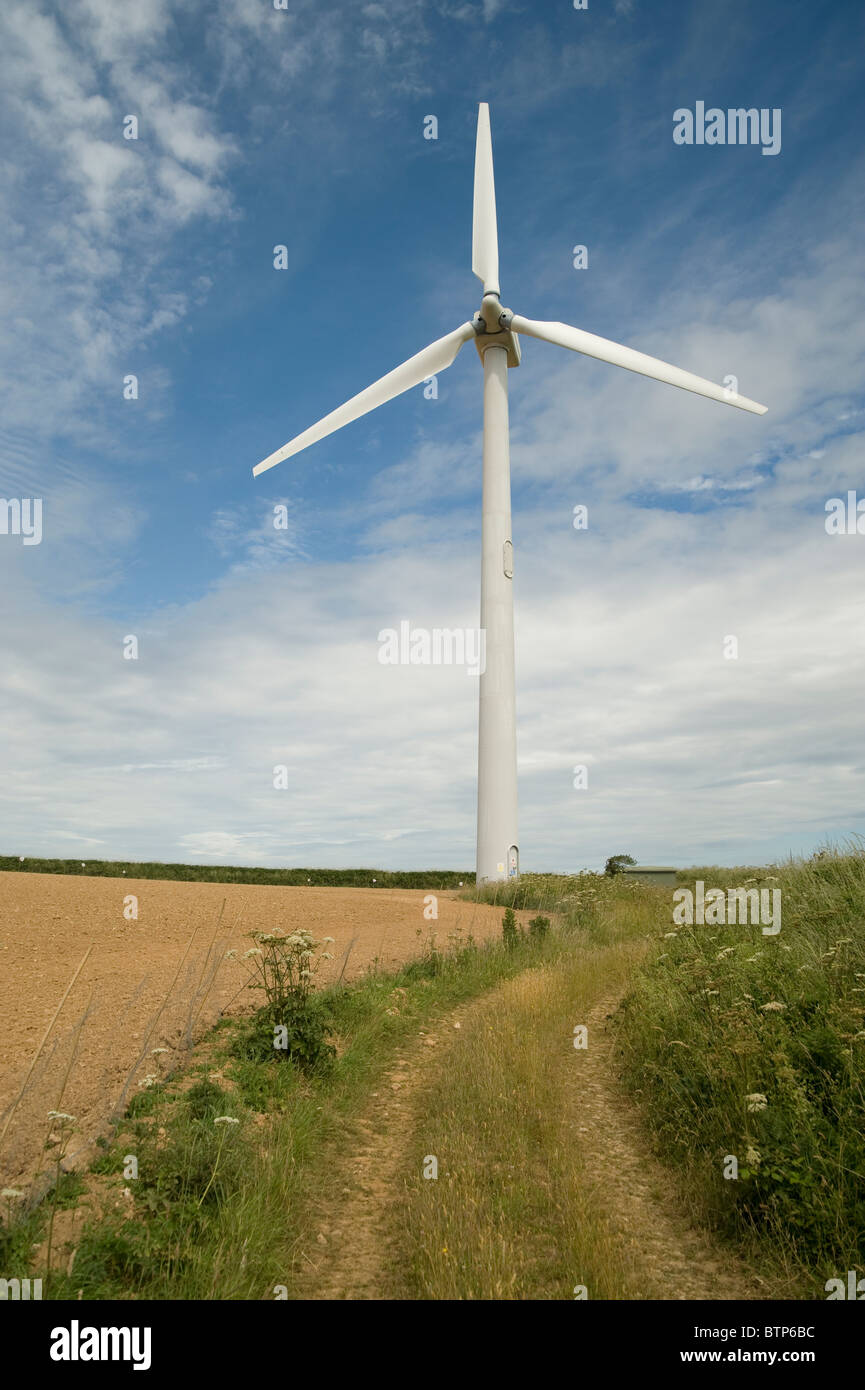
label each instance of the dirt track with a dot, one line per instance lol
(48, 921)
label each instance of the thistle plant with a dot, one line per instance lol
(510, 930)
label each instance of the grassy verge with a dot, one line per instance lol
(750, 1047)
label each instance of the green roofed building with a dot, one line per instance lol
(651, 873)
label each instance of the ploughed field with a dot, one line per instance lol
(159, 980)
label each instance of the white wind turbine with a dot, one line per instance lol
(493, 330)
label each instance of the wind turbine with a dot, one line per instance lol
(494, 331)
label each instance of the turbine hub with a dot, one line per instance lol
(492, 325)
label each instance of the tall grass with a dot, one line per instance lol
(752, 1047)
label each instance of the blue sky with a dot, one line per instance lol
(259, 647)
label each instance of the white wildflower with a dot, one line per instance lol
(756, 1102)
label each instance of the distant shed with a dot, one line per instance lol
(651, 873)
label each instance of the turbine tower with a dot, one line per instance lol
(494, 330)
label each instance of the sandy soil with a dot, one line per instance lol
(144, 986)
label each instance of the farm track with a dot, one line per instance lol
(159, 980)
(356, 1250)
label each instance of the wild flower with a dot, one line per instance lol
(756, 1102)
(752, 1157)
(226, 1120)
(61, 1115)
(773, 1007)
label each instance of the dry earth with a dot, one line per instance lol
(144, 986)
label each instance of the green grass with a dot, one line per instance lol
(721, 1013)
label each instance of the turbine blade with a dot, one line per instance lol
(607, 351)
(485, 236)
(425, 363)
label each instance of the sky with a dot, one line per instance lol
(258, 648)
